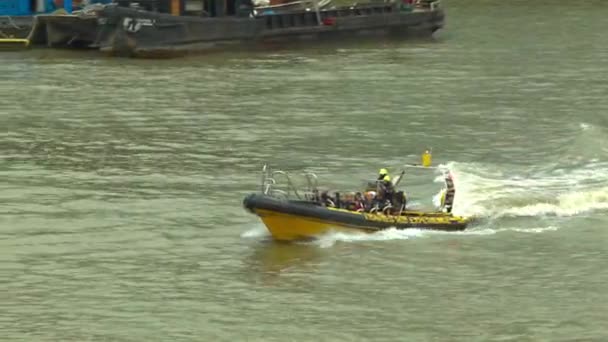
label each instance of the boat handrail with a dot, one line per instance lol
(321, 3)
(289, 182)
(309, 176)
(264, 174)
(430, 4)
(268, 186)
(269, 181)
(435, 4)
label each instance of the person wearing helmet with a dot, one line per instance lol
(382, 174)
(385, 186)
(384, 179)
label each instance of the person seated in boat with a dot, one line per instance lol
(326, 200)
(369, 199)
(359, 204)
(349, 201)
(314, 196)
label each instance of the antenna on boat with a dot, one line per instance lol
(264, 177)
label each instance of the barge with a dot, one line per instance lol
(137, 32)
(171, 28)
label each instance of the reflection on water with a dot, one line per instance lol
(272, 262)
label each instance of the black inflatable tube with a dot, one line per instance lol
(315, 211)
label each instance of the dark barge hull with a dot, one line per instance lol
(295, 220)
(64, 31)
(137, 33)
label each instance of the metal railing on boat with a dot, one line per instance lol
(269, 183)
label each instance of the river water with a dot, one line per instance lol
(121, 184)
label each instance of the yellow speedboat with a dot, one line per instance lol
(307, 217)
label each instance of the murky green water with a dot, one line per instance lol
(121, 184)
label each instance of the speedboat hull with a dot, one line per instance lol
(302, 220)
